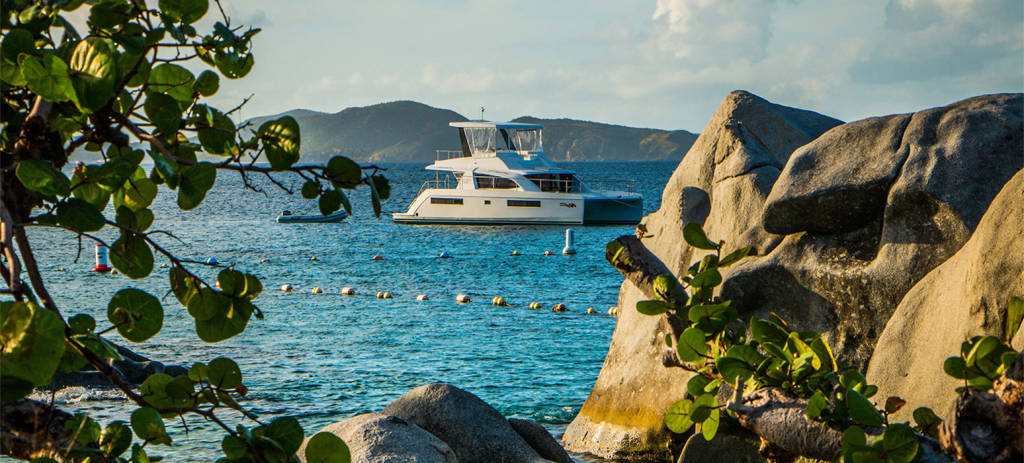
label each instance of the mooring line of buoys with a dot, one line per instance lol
(286, 288)
(347, 291)
(613, 311)
(462, 299)
(383, 294)
(499, 301)
(559, 308)
(535, 305)
(422, 297)
(317, 290)
(590, 310)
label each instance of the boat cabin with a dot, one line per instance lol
(485, 139)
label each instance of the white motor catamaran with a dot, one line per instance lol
(502, 177)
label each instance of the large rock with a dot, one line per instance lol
(722, 182)
(472, 428)
(872, 206)
(964, 297)
(541, 440)
(377, 438)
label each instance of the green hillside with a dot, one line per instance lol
(403, 131)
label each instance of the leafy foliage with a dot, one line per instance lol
(125, 89)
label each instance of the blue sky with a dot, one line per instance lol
(656, 63)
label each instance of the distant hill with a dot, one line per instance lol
(403, 131)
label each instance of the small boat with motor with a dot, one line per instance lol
(288, 217)
(501, 176)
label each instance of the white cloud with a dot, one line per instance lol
(703, 31)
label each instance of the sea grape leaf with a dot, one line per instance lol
(163, 111)
(207, 83)
(148, 426)
(33, 344)
(677, 417)
(224, 373)
(282, 142)
(193, 184)
(173, 80)
(330, 201)
(694, 236)
(899, 443)
(691, 346)
(1014, 317)
(653, 307)
(137, 314)
(79, 215)
(325, 447)
(816, 405)
(184, 11)
(735, 256)
(40, 177)
(131, 256)
(343, 172)
(861, 410)
(47, 77)
(287, 432)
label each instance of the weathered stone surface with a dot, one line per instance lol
(541, 440)
(732, 444)
(845, 280)
(472, 428)
(722, 182)
(966, 296)
(378, 438)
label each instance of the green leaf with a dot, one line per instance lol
(735, 256)
(234, 447)
(287, 432)
(731, 368)
(207, 304)
(691, 346)
(33, 344)
(47, 77)
(695, 386)
(233, 65)
(344, 202)
(253, 287)
(310, 189)
(17, 41)
(703, 405)
(694, 235)
(138, 193)
(173, 80)
(654, 307)
(131, 256)
(184, 11)
(79, 215)
(854, 436)
(709, 427)
(207, 83)
(982, 349)
(816, 405)
(231, 282)
(343, 172)
(927, 422)
(664, 284)
(85, 430)
(139, 454)
(193, 184)
(765, 331)
(41, 177)
(375, 200)
(163, 111)
(893, 404)
(224, 373)
(216, 131)
(282, 142)
(823, 354)
(955, 367)
(166, 168)
(325, 447)
(148, 425)
(383, 187)
(708, 279)
(116, 438)
(183, 285)
(92, 193)
(94, 70)
(13, 388)
(1014, 317)
(861, 410)
(677, 417)
(899, 443)
(137, 314)
(82, 323)
(330, 201)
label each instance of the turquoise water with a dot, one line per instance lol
(325, 357)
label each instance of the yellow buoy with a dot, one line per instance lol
(383, 295)
(462, 299)
(317, 290)
(499, 301)
(535, 305)
(613, 311)
(591, 310)
(422, 297)
(313, 258)
(346, 291)
(286, 288)
(548, 253)
(559, 308)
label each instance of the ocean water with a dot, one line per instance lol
(326, 357)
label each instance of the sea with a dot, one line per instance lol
(326, 357)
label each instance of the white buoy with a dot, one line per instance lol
(570, 242)
(462, 299)
(559, 308)
(102, 264)
(422, 297)
(590, 310)
(163, 265)
(346, 291)
(445, 255)
(212, 261)
(548, 253)
(378, 257)
(317, 290)
(313, 258)
(286, 288)
(264, 260)
(515, 253)
(383, 295)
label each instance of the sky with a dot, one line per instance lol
(656, 63)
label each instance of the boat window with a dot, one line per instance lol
(455, 201)
(525, 140)
(480, 139)
(484, 181)
(558, 183)
(522, 203)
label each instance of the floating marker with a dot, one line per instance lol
(102, 264)
(383, 295)
(559, 308)
(535, 305)
(422, 297)
(264, 260)
(317, 290)
(378, 257)
(346, 291)
(591, 310)
(212, 261)
(499, 301)
(548, 253)
(515, 253)
(286, 288)
(445, 255)
(163, 265)
(462, 299)
(570, 242)
(613, 311)
(313, 258)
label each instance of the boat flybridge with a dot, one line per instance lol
(501, 176)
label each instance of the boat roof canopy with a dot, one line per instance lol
(493, 125)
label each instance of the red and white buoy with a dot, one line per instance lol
(102, 264)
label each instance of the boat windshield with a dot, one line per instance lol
(491, 139)
(558, 183)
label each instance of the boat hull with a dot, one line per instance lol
(335, 217)
(613, 211)
(476, 207)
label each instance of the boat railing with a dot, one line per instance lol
(611, 184)
(446, 182)
(444, 155)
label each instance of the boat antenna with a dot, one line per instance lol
(481, 113)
